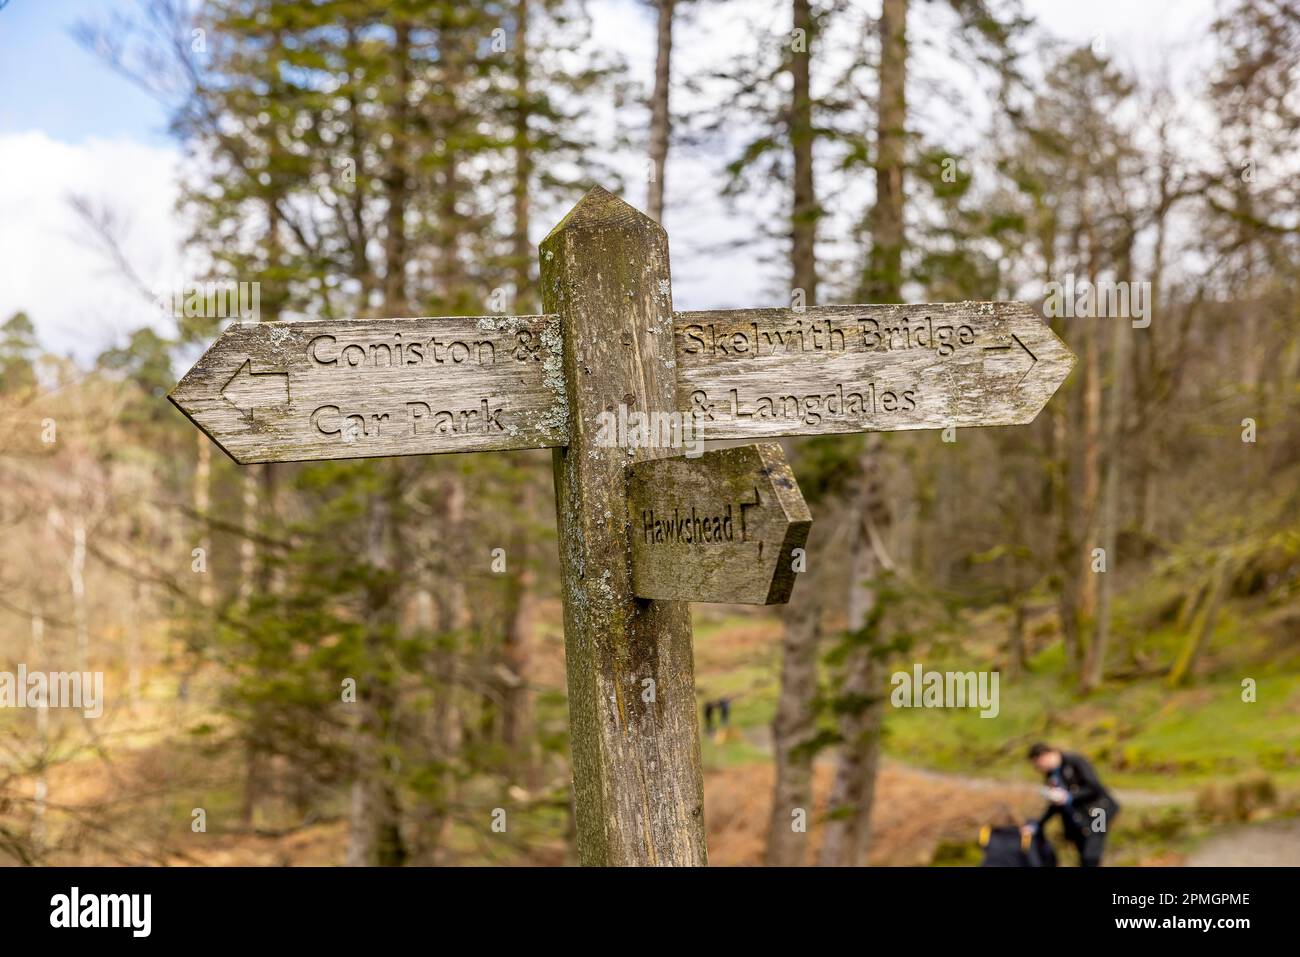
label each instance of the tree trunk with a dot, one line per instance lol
(1109, 514)
(1090, 486)
(77, 582)
(522, 248)
(847, 830)
(257, 579)
(660, 117)
(1018, 652)
(202, 505)
(794, 727)
(1199, 634)
(396, 179)
(1089, 494)
(452, 613)
(429, 817)
(803, 222)
(134, 624)
(883, 281)
(250, 481)
(516, 697)
(1067, 542)
(1246, 308)
(860, 704)
(41, 786)
(795, 723)
(454, 295)
(374, 832)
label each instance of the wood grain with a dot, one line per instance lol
(639, 791)
(718, 528)
(296, 391)
(755, 373)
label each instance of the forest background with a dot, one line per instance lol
(1129, 564)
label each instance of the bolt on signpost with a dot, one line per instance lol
(640, 532)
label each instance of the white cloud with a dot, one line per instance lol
(52, 268)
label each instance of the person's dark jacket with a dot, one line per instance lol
(1007, 847)
(1086, 791)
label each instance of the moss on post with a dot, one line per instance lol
(636, 754)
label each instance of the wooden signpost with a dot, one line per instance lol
(640, 532)
(722, 527)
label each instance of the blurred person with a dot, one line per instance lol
(1006, 843)
(1076, 795)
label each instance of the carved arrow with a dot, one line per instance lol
(248, 390)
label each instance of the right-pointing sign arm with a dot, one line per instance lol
(771, 372)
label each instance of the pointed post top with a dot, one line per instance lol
(600, 209)
(604, 274)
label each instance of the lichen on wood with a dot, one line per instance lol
(639, 793)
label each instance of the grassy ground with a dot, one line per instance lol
(1142, 732)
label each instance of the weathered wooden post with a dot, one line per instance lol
(720, 528)
(638, 788)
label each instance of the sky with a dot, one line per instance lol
(69, 126)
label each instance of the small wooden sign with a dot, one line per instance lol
(719, 528)
(756, 373)
(297, 391)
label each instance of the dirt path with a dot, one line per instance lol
(1126, 796)
(761, 737)
(1273, 844)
